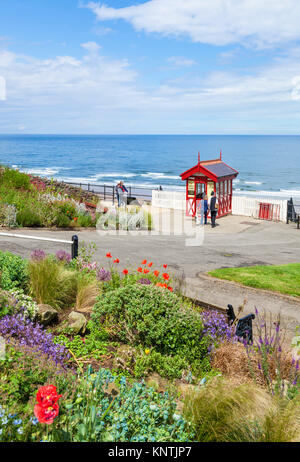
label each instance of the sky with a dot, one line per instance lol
(150, 67)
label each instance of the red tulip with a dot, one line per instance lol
(150, 264)
(156, 273)
(108, 255)
(166, 276)
(144, 262)
(125, 271)
(146, 271)
(165, 266)
(116, 260)
(140, 270)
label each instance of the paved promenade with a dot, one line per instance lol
(236, 241)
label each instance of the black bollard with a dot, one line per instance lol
(74, 247)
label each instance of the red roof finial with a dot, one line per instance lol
(198, 157)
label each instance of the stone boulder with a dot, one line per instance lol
(76, 322)
(46, 315)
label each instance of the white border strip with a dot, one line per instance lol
(23, 236)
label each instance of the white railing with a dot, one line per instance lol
(168, 199)
(250, 206)
(73, 242)
(241, 205)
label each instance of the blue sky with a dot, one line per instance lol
(152, 66)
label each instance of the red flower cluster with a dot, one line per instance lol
(165, 286)
(47, 409)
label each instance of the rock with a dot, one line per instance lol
(125, 358)
(77, 323)
(46, 315)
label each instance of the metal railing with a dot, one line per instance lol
(73, 242)
(107, 192)
(293, 212)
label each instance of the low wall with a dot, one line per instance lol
(241, 205)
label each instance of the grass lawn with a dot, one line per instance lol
(284, 278)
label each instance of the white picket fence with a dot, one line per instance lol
(241, 205)
(250, 207)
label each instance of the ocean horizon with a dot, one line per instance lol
(266, 163)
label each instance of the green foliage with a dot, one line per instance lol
(23, 371)
(166, 366)
(15, 301)
(62, 221)
(14, 271)
(28, 217)
(152, 317)
(85, 220)
(15, 179)
(67, 209)
(51, 283)
(224, 412)
(132, 413)
(93, 345)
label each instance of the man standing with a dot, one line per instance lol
(213, 207)
(120, 190)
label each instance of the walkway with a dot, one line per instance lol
(236, 242)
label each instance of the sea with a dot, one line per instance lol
(266, 164)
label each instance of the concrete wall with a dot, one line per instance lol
(241, 205)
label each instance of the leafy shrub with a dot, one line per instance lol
(15, 179)
(62, 221)
(85, 220)
(23, 370)
(153, 317)
(83, 348)
(51, 283)
(166, 366)
(14, 271)
(28, 217)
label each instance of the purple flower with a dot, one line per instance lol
(144, 281)
(103, 275)
(63, 256)
(216, 325)
(33, 335)
(38, 255)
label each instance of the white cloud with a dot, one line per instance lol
(94, 94)
(296, 88)
(260, 23)
(179, 61)
(2, 89)
(91, 47)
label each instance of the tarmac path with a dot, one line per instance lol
(236, 242)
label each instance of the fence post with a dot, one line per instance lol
(104, 192)
(74, 247)
(113, 195)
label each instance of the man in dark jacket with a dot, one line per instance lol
(213, 209)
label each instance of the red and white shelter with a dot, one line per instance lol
(205, 177)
